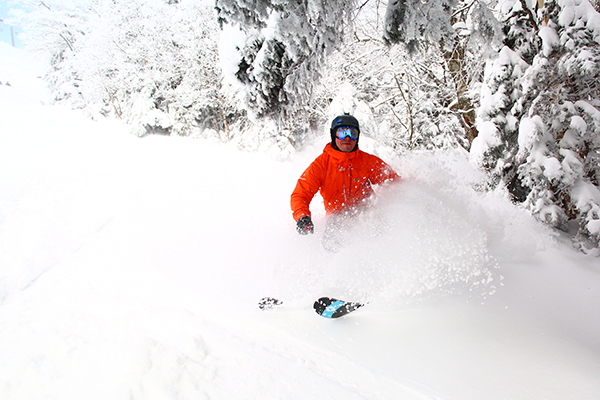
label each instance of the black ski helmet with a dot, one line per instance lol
(343, 120)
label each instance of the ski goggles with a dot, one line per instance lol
(346, 131)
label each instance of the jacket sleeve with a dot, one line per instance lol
(306, 188)
(383, 173)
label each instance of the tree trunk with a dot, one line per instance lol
(463, 106)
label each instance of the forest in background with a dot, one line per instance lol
(512, 83)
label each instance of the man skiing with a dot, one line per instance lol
(343, 174)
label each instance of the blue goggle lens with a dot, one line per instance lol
(346, 131)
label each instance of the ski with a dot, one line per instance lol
(334, 308)
(326, 307)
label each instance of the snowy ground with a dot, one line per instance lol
(131, 269)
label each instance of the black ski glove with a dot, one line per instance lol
(304, 226)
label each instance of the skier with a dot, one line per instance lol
(344, 175)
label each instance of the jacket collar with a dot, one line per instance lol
(340, 156)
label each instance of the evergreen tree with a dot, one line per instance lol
(498, 114)
(412, 22)
(542, 135)
(284, 49)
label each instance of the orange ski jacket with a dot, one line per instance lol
(344, 180)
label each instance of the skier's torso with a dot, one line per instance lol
(345, 180)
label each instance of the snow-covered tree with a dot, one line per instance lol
(151, 63)
(401, 101)
(284, 47)
(463, 31)
(413, 101)
(496, 146)
(540, 122)
(412, 22)
(498, 115)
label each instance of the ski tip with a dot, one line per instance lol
(321, 304)
(268, 303)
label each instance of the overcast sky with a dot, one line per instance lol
(5, 29)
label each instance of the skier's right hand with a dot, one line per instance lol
(304, 226)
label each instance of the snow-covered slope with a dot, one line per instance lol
(131, 269)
